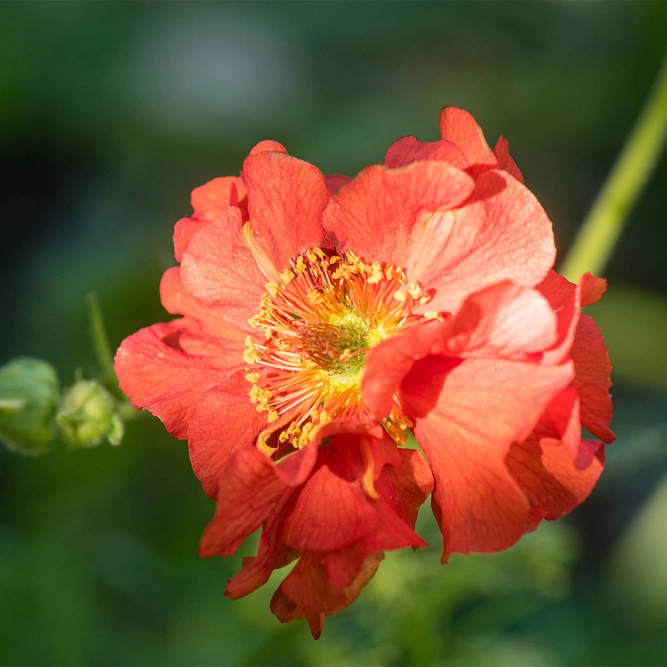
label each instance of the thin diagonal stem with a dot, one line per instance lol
(595, 242)
(101, 344)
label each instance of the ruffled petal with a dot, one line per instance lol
(250, 483)
(223, 422)
(559, 290)
(459, 127)
(592, 289)
(408, 150)
(157, 374)
(342, 566)
(505, 161)
(561, 422)
(308, 587)
(406, 486)
(286, 611)
(466, 415)
(504, 321)
(389, 362)
(331, 512)
(402, 490)
(220, 271)
(502, 234)
(546, 473)
(177, 301)
(588, 351)
(272, 553)
(336, 181)
(210, 202)
(286, 198)
(391, 215)
(593, 379)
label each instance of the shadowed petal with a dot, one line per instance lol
(505, 161)
(272, 553)
(593, 379)
(308, 587)
(408, 150)
(285, 611)
(547, 475)
(329, 513)
(588, 351)
(389, 362)
(466, 416)
(336, 181)
(250, 483)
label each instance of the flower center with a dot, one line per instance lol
(318, 322)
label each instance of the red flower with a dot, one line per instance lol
(323, 317)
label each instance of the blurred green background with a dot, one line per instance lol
(110, 114)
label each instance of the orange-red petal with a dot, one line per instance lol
(220, 272)
(402, 203)
(466, 416)
(459, 127)
(178, 301)
(223, 421)
(546, 473)
(250, 483)
(286, 198)
(505, 161)
(408, 150)
(501, 234)
(309, 588)
(158, 374)
(210, 202)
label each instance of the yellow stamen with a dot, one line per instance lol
(317, 320)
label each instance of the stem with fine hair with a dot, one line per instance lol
(101, 345)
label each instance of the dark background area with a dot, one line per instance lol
(110, 114)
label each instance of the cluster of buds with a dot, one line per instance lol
(35, 414)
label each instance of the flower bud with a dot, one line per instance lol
(87, 414)
(28, 400)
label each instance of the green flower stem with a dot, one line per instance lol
(595, 241)
(102, 348)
